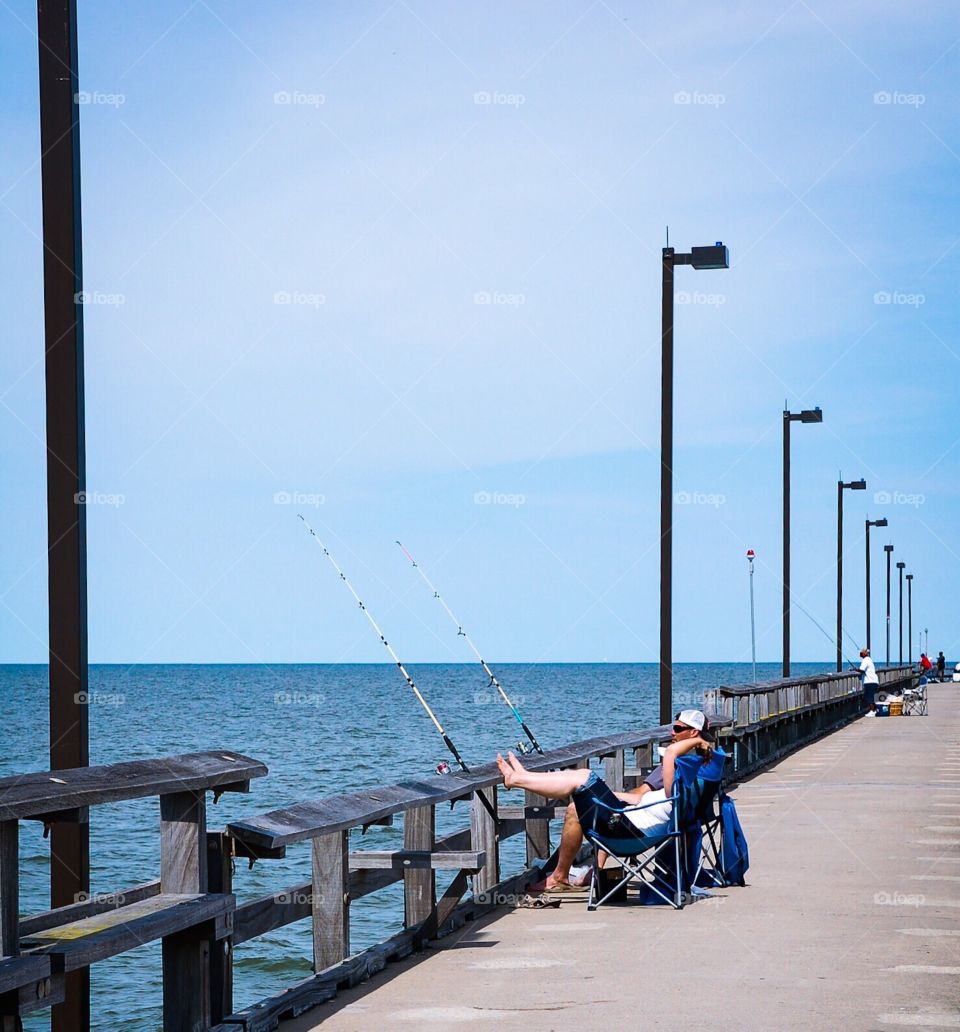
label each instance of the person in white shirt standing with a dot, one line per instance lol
(870, 682)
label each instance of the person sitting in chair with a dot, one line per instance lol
(687, 725)
(654, 808)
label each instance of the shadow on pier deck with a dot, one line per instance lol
(850, 919)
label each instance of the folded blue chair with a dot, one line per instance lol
(655, 858)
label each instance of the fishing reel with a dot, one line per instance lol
(443, 767)
(523, 748)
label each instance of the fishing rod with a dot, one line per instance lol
(494, 683)
(403, 670)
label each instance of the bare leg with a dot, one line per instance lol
(571, 839)
(555, 784)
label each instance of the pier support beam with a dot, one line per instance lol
(66, 525)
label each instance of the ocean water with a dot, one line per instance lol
(320, 729)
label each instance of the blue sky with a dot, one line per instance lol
(397, 265)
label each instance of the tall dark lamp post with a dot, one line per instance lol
(715, 257)
(806, 416)
(910, 618)
(854, 485)
(900, 567)
(889, 550)
(882, 522)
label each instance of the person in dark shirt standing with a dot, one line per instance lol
(941, 665)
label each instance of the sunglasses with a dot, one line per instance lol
(677, 728)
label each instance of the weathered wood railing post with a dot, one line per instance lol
(331, 899)
(537, 829)
(9, 903)
(613, 767)
(186, 954)
(220, 879)
(483, 836)
(420, 885)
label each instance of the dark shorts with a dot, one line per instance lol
(585, 798)
(869, 694)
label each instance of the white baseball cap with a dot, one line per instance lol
(692, 717)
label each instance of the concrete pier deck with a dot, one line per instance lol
(850, 918)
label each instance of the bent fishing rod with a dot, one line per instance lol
(494, 683)
(447, 741)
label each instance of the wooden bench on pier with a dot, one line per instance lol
(186, 909)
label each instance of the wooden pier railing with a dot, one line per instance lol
(192, 908)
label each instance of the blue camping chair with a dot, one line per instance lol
(705, 837)
(654, 858)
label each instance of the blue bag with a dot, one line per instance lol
(734, 854)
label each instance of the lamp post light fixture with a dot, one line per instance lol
(805, 416)
(882, 522)
(888, 549)
(900, 567)
(714, 257)
(910, 618)
(854, 485)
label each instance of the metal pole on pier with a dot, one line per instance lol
(900, 567)
(751, 555)
(910, 618)
(888, 549)
(806, 416)
(714, 257)
(66, 523)
(854, 485)
(882, 522)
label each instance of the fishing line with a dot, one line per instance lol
(403, 670)
(494, 683)
(803, 609)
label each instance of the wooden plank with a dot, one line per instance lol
(420, 885)
(9, 888)
(96, 904)
(411, 861)
(307, 819)
(613, 767)
(18, 971)
(220, 879)
(46, 792)
(186, 980)
(331, 899)
(537, 814)
(183, 842)
(542, 811)
(96, 938)
(483, 839)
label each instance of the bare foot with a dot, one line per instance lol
(507, 771)
(516, 764)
